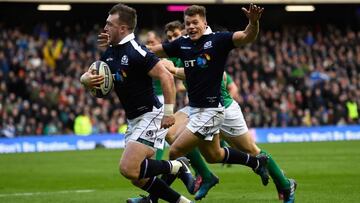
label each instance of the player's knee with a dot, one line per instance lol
(252, 149)
(128, 172)
(170, 137)
(210, 160)
(255, 151)
(138, 183)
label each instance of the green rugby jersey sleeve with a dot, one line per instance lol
(225, 92)
(157, 87)
(177, 61)
(229, 79)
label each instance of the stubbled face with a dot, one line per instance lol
(172, 35)
(112, 29)
(195, 26)
(152, 39)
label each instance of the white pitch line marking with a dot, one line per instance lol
(45, 193)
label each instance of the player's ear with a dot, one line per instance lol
(124, 27)
(205, 22)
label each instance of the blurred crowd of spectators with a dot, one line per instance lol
(299, 77)
(290, 77)
(40, 92)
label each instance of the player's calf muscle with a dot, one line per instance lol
(213, 156)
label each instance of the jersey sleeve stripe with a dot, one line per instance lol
(138, 48)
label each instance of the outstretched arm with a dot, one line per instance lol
(233, 91)
(158, 50)
(177, 72)
(252, 29)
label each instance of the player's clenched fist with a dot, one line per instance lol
(167, 121)
(91, 80)
(103, 40)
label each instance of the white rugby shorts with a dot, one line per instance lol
(234, 123)
(161, 98)
(185, 110)
(146, 129)
(205, 121)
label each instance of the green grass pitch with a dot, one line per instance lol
(325, 172)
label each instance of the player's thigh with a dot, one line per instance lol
(244, 142)
(181, 119)
(185, 142)
(211, 150)
(205, 122)
(132, 157)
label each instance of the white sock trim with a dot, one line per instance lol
(183, 199)
(176, 165)
(247, 159)
(258, 164)
(227, 154)
(145, 169)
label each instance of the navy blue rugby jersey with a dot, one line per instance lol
(204, 62)
(130, 63)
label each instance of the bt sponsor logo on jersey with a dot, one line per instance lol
(201, 61)
(189, 63)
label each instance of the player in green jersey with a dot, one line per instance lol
(153, 38)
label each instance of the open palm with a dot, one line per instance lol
(254, 12)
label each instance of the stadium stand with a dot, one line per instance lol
(300, 77)
(40, 89)
(293, 75)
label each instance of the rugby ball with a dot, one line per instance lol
(101, 68)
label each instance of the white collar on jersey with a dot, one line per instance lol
(208, 31)
(128, 37)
